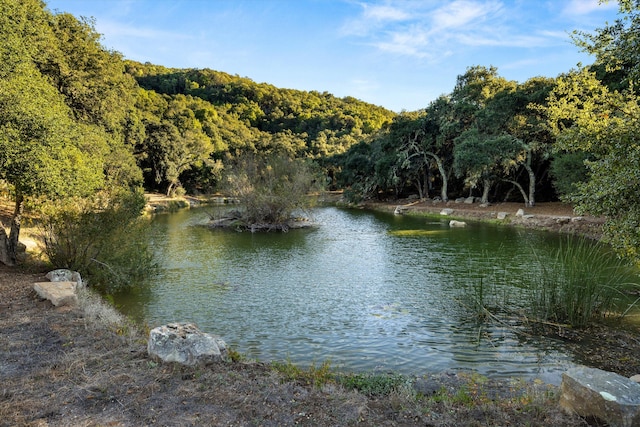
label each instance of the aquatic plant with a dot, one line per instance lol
(580, 282)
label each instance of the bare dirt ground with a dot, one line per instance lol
(79, 367)
(554, 216)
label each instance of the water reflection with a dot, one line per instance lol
(366, 291)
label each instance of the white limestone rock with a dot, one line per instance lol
(65, 275)
(59, 293)
(610, 397)
(184, 343)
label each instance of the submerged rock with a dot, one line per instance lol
(610, 397)
(454, 223)
(184, 343)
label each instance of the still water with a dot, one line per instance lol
(366, 291)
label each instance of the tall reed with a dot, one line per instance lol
(580, 282)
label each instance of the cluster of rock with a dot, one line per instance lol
(62, 287)
(182, 343)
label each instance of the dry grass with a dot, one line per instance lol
(87, 367)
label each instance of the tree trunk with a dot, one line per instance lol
(9, 244)
(486, 186)
(527, 201)
(4, 247)
(170, 189)
(443, 174)
(532, 181)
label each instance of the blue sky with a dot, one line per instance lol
(400, 54)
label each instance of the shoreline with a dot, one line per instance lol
(549, 216)
(70, 366)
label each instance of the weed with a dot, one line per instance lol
(372, 384)
(235, 355)
(315, 376)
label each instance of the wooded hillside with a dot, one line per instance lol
(77, 119)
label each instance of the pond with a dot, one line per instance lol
(365, 291)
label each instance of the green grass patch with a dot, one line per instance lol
(371, 384)
(316, 376)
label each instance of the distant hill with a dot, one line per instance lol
(323, 124)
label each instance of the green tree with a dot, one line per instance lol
(476, 129)
(175, 138)
(587, 117)
(43, 151)
(514, 110)
(484, 158)
(437, 143)
(595, 111)
(615, 47)
(103, 236)
(93, 83)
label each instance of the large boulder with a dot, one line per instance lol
(610, 397)
(64, 275)
(59, 293)
(184, 343)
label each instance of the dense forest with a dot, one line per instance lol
(80, 122)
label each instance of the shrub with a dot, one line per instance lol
(103, 238)
(272, 187)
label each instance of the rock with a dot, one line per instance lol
(502, 215)
(520, 213)
(577, 219)
(563, 219)
(400, 210)
(529, 216)
(460, 200)
(59, 293)
(485, 205)
(635, 378)
(469, 200)
(64, 275)
(604, 395)
(454, 223)
(446, 211)
(184, 343)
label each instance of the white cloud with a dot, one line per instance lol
(463, 13)
(434, 30)
(114, 29)
(585, 7)
(381, 13)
